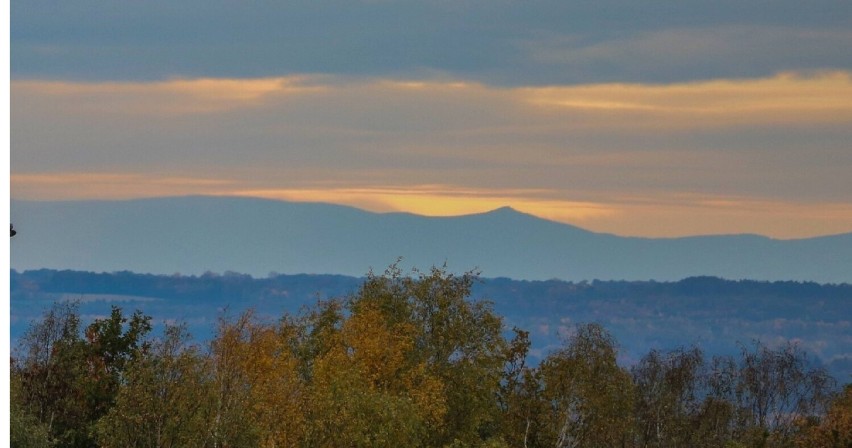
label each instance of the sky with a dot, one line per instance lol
(647, 118)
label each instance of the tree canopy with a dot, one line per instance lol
(406, 360)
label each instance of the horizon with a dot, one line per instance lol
(480, 208)
(423, 215)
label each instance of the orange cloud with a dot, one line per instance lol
(398, 145)
(176, 96)
(81, 186)
(787, 98)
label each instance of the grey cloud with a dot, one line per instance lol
(728, 51)
(464, 134)
(493, 41)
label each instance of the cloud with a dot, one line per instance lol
(173, 97)
(495, 42)
(789, 99)
(724, 50)
(666, 215)
(103, 186)
(715, 115)
(569, 152)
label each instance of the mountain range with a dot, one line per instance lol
(196, 234)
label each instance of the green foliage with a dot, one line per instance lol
(407, 360)
(769, 390)
(109, 346)
(69, 381)
(523, 409)
(667, 398)
(48, 368)
(590, 396)
(25, 429)
(165, 398)
(419, 340)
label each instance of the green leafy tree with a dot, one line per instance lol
(406, 360)
(25, 429)
(369, 391)
(165, 399)
(668, 398)
(68, 382)
(47, 365)
(230, 425)
(590, 395)
(522, 406)
(767, 392)
(52, 369)
(110, 345)
(458, 341)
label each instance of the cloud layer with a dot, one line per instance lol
(495, 42)
(596, 154)
(648, 118)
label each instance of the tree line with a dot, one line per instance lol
(406, 360)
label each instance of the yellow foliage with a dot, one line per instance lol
(266, 381)
(369, 390)
(835, 428)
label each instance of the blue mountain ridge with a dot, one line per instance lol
(195, 234)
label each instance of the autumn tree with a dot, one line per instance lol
(589, 394)
(47, 367)
(522, 406)
(70, 381)
(25, 429)
(833, 430)
(765, 392)
(405, 360)
(110, 345)
(165, 399)
(369, 390)
(668, 398)
(270, 371)
(317, 330)
(458, 341)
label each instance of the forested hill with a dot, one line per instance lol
(713, 313)
(210, 288)
(232, 286)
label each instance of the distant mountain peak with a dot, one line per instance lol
(509, 213)
(506, 209)
(191, 235)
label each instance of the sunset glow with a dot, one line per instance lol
(659, 121)
(654, 216)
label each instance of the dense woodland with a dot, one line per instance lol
(718, 315)
(213, 287)
(405, 360)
